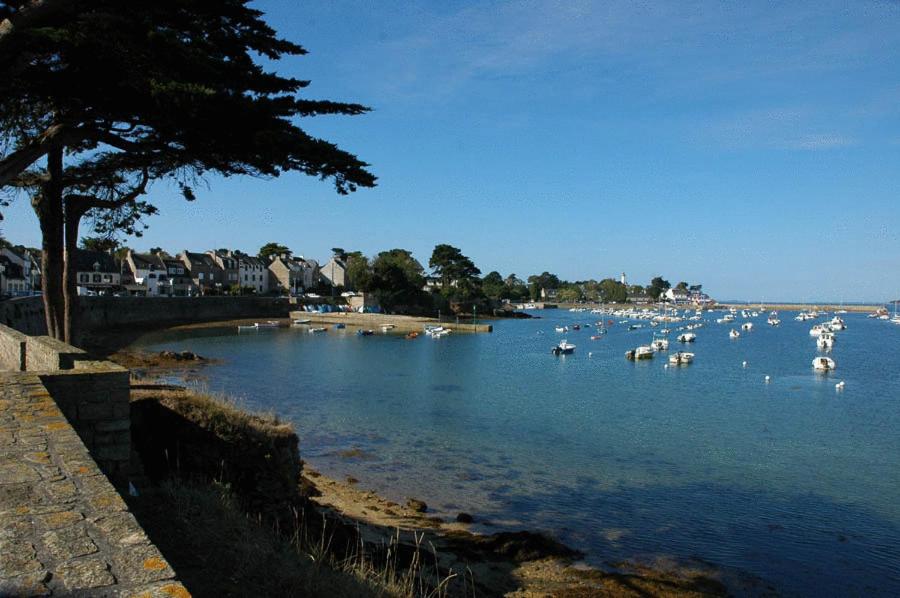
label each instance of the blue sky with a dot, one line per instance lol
(751, 147)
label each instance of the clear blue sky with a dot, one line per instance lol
(752, 147)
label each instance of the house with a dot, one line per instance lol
(178, 282)
(253, 272)
(700, 298)
(12, 278)
(96, 272)
(288, 274)
(207, 276)
(677, 296)
(229, 265)
(29, 260)
(334, 272)
(548, 294)
(146, 270)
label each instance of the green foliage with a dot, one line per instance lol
(493, 285)
(269, 249)
(658, 286)
(682, 286)
(397, 279)
(569, 294)
(104, 244)
(359, 271)
(544, 280)
(451, 266)
(613, 291)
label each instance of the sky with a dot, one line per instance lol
(753, 148)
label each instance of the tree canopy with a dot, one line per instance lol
(450, 265)
(117, 94)
(269, 249)
(397, 279)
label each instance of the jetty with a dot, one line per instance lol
(376, 321)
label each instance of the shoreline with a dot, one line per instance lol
(540, 565)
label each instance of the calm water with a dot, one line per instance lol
(791, 481)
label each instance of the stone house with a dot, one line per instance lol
(334, 272)
(12, 278)
(96, 272)
(146, 270)
(286, 274)
(252, 271)
(229, 265)
(207, 276)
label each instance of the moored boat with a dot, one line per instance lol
(687, 337)
(734, 333)
(823, 364)
(563, 348)
(681, 358)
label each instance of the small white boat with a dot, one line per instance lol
(317, 330)
(837, 323)
(269, 324)
(823, 364)
(681, 358)
(642, 352)
(563, 348)
(734, 333)
(562, 329)
(773, 320)
(387, 327)
(819, 329)
(302, 321)
(660, 344)
(687, 337)
(825, 340)
(249, 328)
(747, 326)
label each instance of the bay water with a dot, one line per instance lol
(790, 481)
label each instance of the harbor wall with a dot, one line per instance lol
(99, 313)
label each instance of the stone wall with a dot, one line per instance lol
(99, 313)
(93, 395)
(64, 530)
(12, 349)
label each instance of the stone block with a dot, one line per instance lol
(141, 564)
(85, 574)
(68, 543)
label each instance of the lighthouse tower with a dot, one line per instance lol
(623, 279)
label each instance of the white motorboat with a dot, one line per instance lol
(734, 333)
(825, 340)
(773, 319)
(563, 348)
(681, 358)
(302, 321)
(823, 364)
(642, 352)
(317, 330)
(748, 326)
(659, 344)
(687, 337)
(819, 329)
(562, 329)
(837, 323)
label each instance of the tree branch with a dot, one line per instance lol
(90, 202)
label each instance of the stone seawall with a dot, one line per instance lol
(100, 313)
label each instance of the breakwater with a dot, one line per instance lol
(376, 321)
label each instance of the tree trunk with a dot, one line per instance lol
(48, 208)
(72, 216)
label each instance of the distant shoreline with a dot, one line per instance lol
(804, 306)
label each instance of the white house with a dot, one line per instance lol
(148, 271)
(677, 296)
(252, 271)
(30, 264)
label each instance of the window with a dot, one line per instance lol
(107, 278)
(245, 278)
(181, 270)
(172, 270)
(96, 278)
(200, 275)
(85, 277)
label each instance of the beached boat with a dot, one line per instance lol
(823, 364)
(365, 332)
(387, 327)
(681, 358)
(269, 324)
(687, 337)
(563, 348)
(734, 333)
(250, 328)
(340, 325)
(412, 335)
(302, 321)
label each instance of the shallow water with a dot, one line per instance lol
(792, 481)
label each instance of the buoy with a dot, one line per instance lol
(839, 385)
(590, 354)
(665, 366)
(744, 364)
(767, 379)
